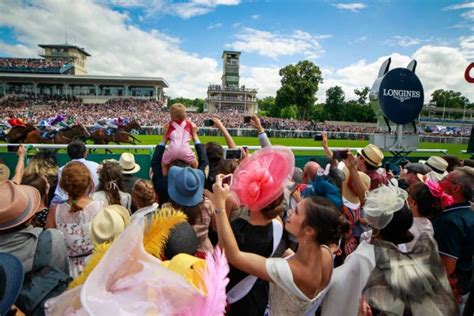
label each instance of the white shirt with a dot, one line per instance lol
(61, 196)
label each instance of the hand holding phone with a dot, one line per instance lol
(339, 154)
(247, 119)
(208, 122)
(233, 153)
(227, 180)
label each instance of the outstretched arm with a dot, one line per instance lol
(228, 138)
(262, 136)
(20, 165)
(248, 262)
(324, 143)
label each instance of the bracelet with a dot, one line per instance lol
(218, 210)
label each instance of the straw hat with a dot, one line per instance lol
(438, 166)
(108, 223)
(18, 203)
(127, 162)
(260, 178)
(372, 155)
(347, 189)
(4, 172)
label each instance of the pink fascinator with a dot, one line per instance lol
(260, 178)
(437, 191)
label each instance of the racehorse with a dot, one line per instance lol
(64, 136)
(18, 134)
(122, 135)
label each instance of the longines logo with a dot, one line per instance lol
(401, 95)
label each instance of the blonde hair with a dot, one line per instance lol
(178, 111)
(40, 165)
(143, 193)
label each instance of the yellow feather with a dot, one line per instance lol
(99, 252)
(159, 228)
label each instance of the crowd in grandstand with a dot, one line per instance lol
(30, 63)
(265, 238)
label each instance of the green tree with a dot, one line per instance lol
(199, 105)
(449, 98)
(299, 85)
(334, 108)
(289, 112)
(362, 95)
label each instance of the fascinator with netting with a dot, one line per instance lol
(382, 203)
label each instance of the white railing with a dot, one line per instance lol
(151, 147)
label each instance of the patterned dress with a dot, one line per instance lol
(75, 228)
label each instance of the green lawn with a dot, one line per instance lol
(454, 149)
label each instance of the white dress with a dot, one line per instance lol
(125, 199)
(285, 298)
(75, 228)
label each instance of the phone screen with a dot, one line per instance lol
(208, 122)
(233, 154)
(340, 154)
(247, 119)
(227, 180)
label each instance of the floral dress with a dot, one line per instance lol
(75, 228)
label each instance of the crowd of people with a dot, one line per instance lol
(32, 63)
(207, 234)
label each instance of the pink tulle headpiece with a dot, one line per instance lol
(437, 191)
(260, 178)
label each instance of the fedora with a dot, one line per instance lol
(127, 162)
(438, 166)
(108, 223)
(347, 191)
(186, 185)
(372, 155)
(18, 203)
(11, 281)
(4, 172)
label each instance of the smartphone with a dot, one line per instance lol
(318, 137)
(339, 154)
(404, 162)
(234, 153)
(247, 119)
(208, 123)
(387, 167)
(227, 180)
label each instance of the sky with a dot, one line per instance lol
(182, 41)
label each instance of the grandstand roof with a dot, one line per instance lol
(64, 46)
(82, 79)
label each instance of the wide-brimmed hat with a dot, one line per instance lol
(18, 203)
(348, 190)
(186, 185)
(372, 155)
(4, 172)
(127, 162)
(438, 166)
(260, 178)
(108, 223)
(11, 281)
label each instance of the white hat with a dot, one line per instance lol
(108, 223)
(127, 162)
(439, 166)
(382, 203)
(4, 172)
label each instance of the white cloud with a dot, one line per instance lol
(467, 46)
(214, 26)
(255, 17)
(265, 79)
(117, 48)
(354, 7)
(403, 41)
(274, 45)
(467, 5)
(468, 15)
(193, 8)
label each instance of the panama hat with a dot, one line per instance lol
(348, 192)
(186, 185)
(127, 162)
(18, 203)
(372, 155)
(108, 223)
(261, 178)
(4, 172)
(11, 281)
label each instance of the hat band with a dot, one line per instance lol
(362, 152)
(434, 169)
(19, 219)
(128, 169)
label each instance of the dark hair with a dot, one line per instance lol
(323, 216)
(214, 151)
(468, 163)
(76, 149)
(192, 212)
(179, 163)
(336, 177)
(428, 205)
(39, 182)
(110, 174)
(369, 166)
(397, 231)
(143, 193)
(452, 161)
(227, 166)
(274, 209)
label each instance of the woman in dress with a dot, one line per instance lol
(144, 198)
(73, 217)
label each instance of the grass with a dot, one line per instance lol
(454, 149)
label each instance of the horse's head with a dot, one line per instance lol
(81, 132)
(134, 125)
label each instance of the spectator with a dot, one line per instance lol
(73, 217)
(77, 151)
(129, 169)
(41, 184)
(409, 175)
(45, 164)
(109, 223)
(453, 162)
(11, 279)
(438, 168)
(369, 160)
(111, 186)
(454, 230)
(144, 198)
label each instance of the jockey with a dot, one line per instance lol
(51, 126)
(57, 122)
(114, 124)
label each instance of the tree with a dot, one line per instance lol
(299, 85)
(449, 98)
(334, 108)
(289, 112)
(362, 95)
(199, 105)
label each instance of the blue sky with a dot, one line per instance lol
(182, 41)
